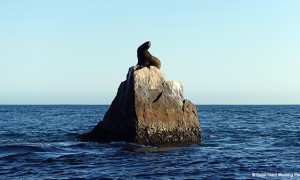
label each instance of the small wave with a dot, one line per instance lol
(22, 148)
(17, 149)
(12, 135)
(212, 136)
(13, 155)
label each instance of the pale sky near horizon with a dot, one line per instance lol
(78, 52)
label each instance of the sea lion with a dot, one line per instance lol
(145, 59)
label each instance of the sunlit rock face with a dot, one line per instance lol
(148, 110)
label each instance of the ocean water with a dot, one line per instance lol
(239, 142)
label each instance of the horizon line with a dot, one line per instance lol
(58, 104)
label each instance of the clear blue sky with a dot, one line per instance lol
(78, 52)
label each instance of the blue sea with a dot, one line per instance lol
(239, 142)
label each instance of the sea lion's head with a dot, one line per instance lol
(145, 46)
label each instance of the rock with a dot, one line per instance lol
(148, 110)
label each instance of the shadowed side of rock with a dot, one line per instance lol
(148, 110)
(118, 123)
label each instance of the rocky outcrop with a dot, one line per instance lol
(148, 110)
